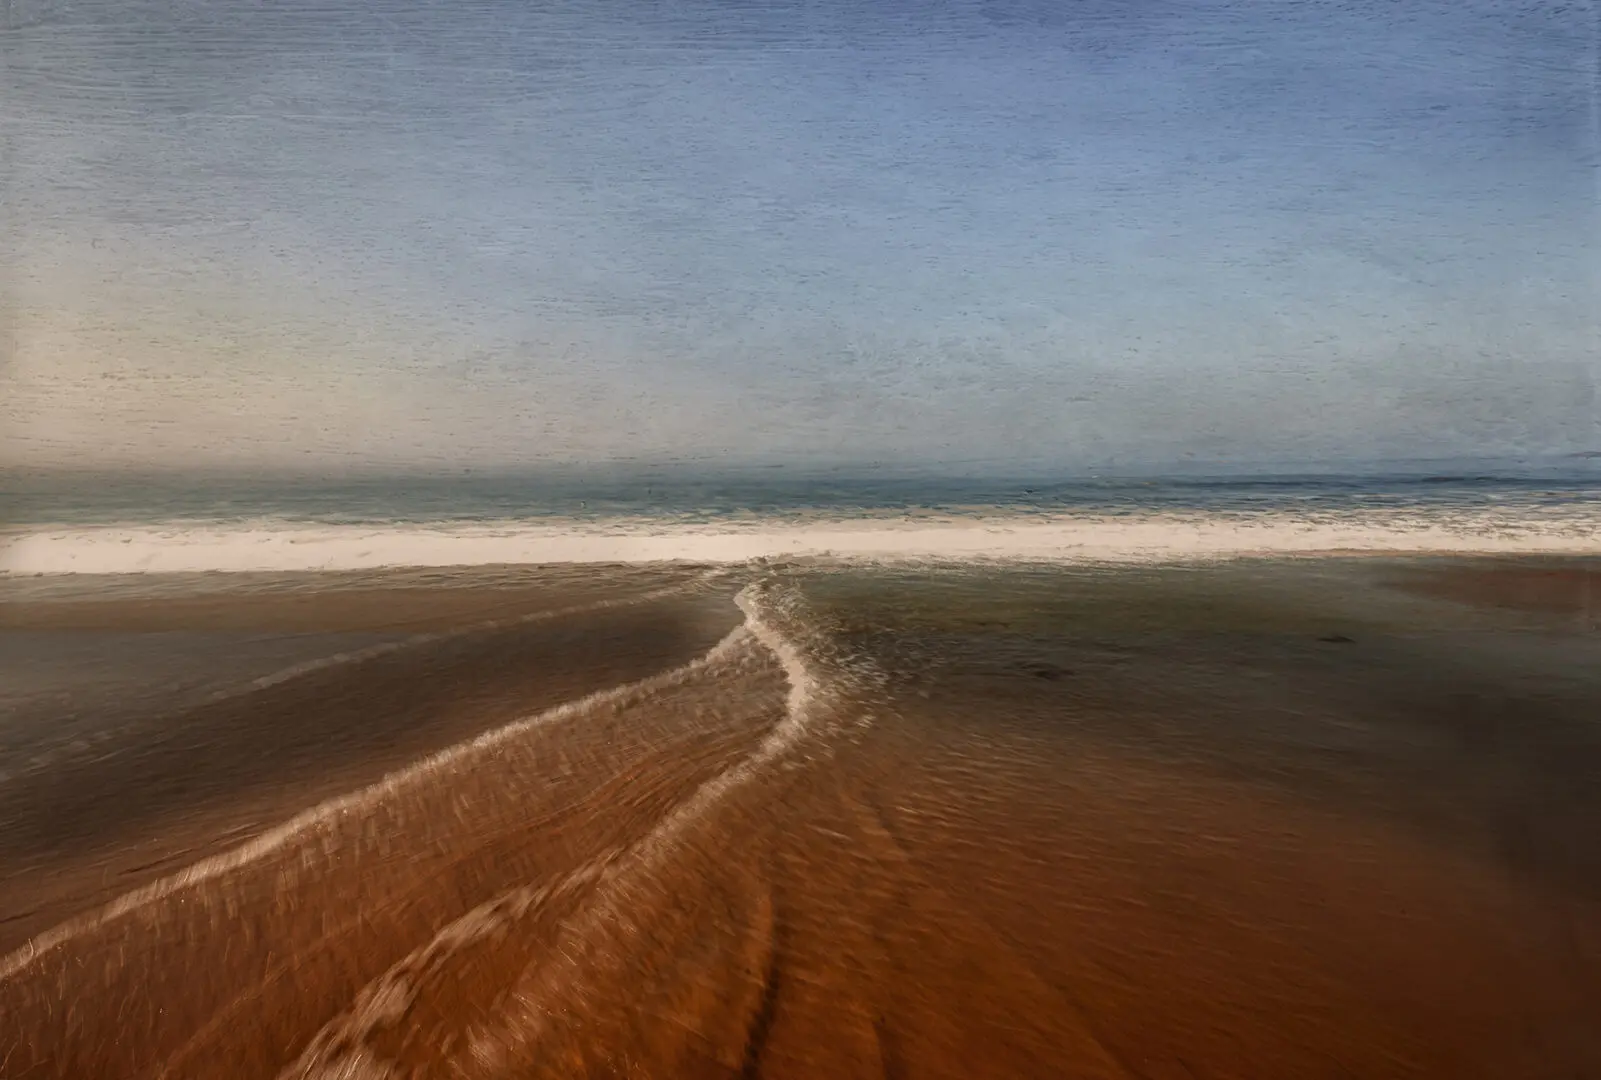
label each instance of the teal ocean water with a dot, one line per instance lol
(682, 498)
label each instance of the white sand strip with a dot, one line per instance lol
(1142, 538)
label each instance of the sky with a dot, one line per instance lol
(1061, 233)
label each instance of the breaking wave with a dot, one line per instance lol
(1572, 528)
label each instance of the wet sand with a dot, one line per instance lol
(1325, 818)
(1559, 588)
(147, 789)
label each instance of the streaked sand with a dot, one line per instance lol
(1311, 819)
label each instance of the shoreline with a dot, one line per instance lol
(1148, 538)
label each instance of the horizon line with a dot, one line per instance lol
(948, 470)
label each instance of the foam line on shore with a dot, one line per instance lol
(306, 823)
(1146, 537)
(341, 1049)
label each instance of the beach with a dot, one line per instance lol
(800, 541)
(1289, 817)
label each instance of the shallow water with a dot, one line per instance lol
(1318, 818)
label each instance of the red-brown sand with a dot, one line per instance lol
(1558, 588)
(1271, 821)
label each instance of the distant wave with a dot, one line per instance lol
(1574, 528)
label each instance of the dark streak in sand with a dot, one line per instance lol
(95, 825)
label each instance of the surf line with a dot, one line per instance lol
(305, 824)
(374, 1007)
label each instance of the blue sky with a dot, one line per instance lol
(407, 233)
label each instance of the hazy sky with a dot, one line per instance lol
(1055, 231)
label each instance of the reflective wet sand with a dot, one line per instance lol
(1281, 820)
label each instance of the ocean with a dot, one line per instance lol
(108, 524)
(1184, 777)
(682, 496)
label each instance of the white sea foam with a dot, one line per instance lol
(1151, 536)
